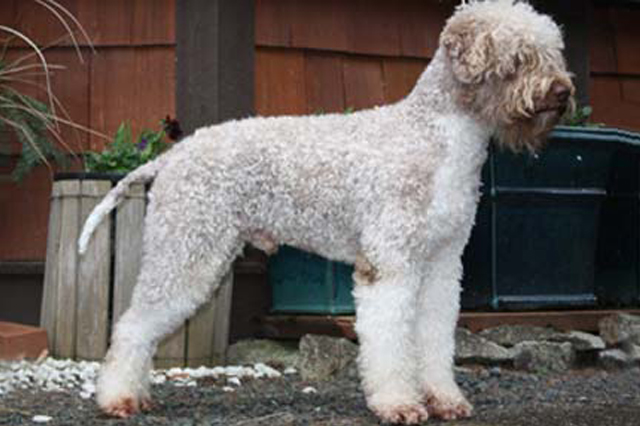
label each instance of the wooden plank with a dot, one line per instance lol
(400, 76)
(155, 80)
(320, 24)
(24, 213)
(200, 334)
(40, 25)
(71, 86)
(374, 27)
(627, 32)
(631, 92)
(279, 82)
(107, 22)
(50, 285)
(610, 104)
(222, 322)
(324, 82)
(146, 75)
(363, 83)
(296, 326)
(273, 22)
(94, 278)
(171, 351)
(153, 22)
(128, 248)
(208, 330)
(602, 45)
(8, 13)
(421, 24)
(67, 270)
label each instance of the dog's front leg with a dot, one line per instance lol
(385, 309)
(438, 308)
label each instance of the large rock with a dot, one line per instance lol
(620, 328)
(471, 348)
(543, 357)
(634, 353)
(271, 352)
(323, 357)
(511, 335)
(613, 359)
(580, 340)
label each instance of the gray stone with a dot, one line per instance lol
(620, 328)
(323, 357)
(511, 335)
(634, 353)
(613, 359)
(471, 348)
(543, 357)
(271, 352)
(580, 340)
(280, 419)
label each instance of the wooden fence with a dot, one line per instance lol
(85, 295)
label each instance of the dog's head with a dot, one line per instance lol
(507, 61)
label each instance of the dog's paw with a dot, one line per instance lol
(407, 414)
(448, 408)
(126, 407)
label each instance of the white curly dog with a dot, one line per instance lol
(391, 189)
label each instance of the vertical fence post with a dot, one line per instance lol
(50, 290)
(66, 272)
(93, 278)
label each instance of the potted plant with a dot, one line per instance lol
(30, 126)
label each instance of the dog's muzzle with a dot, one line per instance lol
(557, 100)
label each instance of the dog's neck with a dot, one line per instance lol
(437, 93)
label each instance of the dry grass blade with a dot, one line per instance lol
(13, 69)
(75, 21)
(41, 57)
(65, 24)
(35, 121)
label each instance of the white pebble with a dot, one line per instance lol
(309, 390)
(290, 370)
(41, 419)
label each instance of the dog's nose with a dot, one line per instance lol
(561, 92)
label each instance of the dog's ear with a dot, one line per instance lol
(470, 48)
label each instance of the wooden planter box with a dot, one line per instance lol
(85, 295)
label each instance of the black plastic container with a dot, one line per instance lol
(560, 229)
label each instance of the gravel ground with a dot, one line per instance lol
(501, 397)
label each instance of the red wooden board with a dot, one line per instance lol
(324, 82)
(279, 82)
(364, 86)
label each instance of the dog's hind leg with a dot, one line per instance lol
(181, 266)
(438, 308)
(385, 306)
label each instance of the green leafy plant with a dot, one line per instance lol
(580, 117)
(35, 123)
(125, 153)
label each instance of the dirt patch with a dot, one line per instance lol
(501, 397)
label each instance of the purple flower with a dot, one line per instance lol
(142, 144)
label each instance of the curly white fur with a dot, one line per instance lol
(394, 188)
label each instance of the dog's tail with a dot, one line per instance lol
(142, 174)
